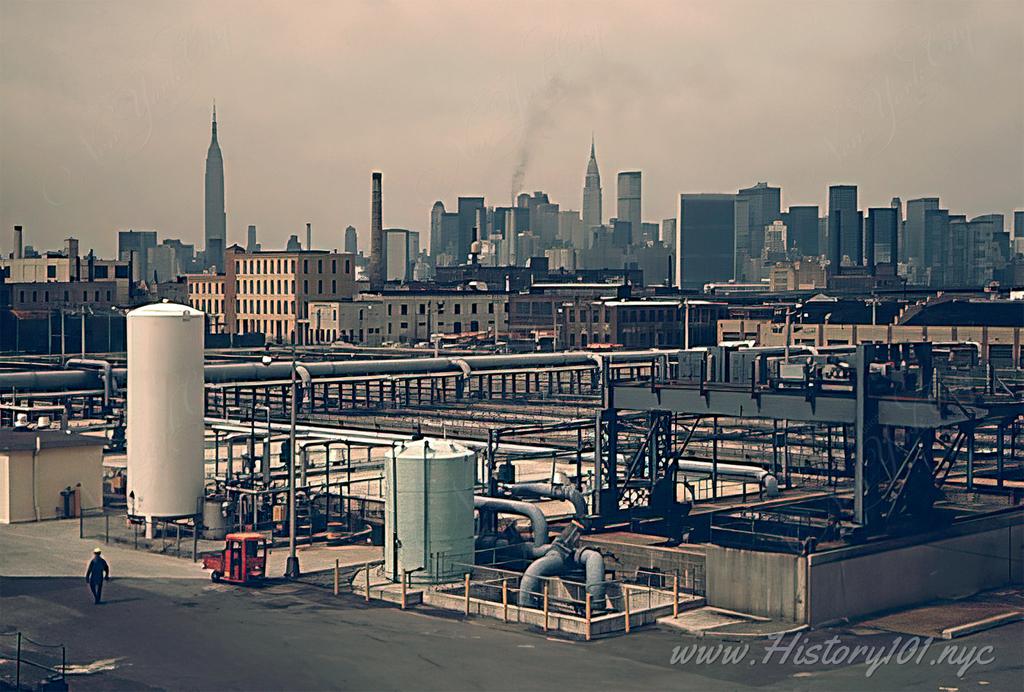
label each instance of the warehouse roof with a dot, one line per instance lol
(17, 441)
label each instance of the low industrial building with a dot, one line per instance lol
(48, 474)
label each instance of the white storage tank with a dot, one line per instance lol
(165, 410)
(428, 516)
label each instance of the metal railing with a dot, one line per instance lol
(24, 656)
(115, 526)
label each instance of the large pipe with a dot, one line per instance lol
(109, 386)
(768, 482)
(281, 370)
(553, 491)
(593, 565)
(538, 522)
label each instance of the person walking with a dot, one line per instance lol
(97, 572)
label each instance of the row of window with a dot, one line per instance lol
(474, 308)
(67, 296)
(280, 265)
(208, 287)
(264, 306)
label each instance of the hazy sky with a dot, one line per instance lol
(105, 107)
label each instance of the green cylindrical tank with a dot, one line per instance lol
(428, 517)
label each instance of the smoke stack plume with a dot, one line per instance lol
(377, 262)
(19, 248)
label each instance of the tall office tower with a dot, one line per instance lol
(897, 207)
(403, 246)
(447, 242)
(765, 204)
(378, 262)
(987, 248)
(250, 239)
(881, 236)
(467, 210)
(434, 239)
(216, 219)
(913, 229)
(593, 214)
(1018, 225)
(936, 246)
(843, 224)
(668, 233)
(741, 257)
(351, 240)
(802, 230)
(706, 232)
(629, 193)
(134, 246)
(19, 243)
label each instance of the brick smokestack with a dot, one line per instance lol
(377, 261)
(19, 247)
(309, 236)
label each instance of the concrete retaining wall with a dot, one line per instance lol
(760, 583)
(860, 581)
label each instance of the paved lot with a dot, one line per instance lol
(164, 625)
(190, 634)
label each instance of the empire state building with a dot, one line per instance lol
(592, 211)
(216, 219)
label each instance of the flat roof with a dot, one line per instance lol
(18, 441)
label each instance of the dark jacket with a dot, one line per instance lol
(98, 569)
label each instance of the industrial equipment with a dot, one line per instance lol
(243, 560)
(428, 519)
(165, 410)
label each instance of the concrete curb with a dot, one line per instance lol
(980, 625)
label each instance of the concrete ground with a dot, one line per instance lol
(160, 630)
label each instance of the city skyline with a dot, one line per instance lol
(127, 154)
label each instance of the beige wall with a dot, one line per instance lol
(56, 469)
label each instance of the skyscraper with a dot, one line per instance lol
(706, 246)
(216, 218)
(629, 193)
(351, 240)
(434, 239)
(467, 210)
(765, 203)
(593, 214)
(844, 228)
(914, 232)
(802, 225)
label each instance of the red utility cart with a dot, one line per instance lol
(243, 561)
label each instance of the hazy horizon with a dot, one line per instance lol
(105, 109)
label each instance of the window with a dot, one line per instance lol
(305, 286)
(320, 286)
(305, 266)
(319, 266)
(405, 309)
(334, 266)
(46, 296)
(472, 308)
(348, 266)
(423, 308)
(490, 308)
(458, 308)
(334, 286)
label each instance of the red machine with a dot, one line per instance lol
(243, 561)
